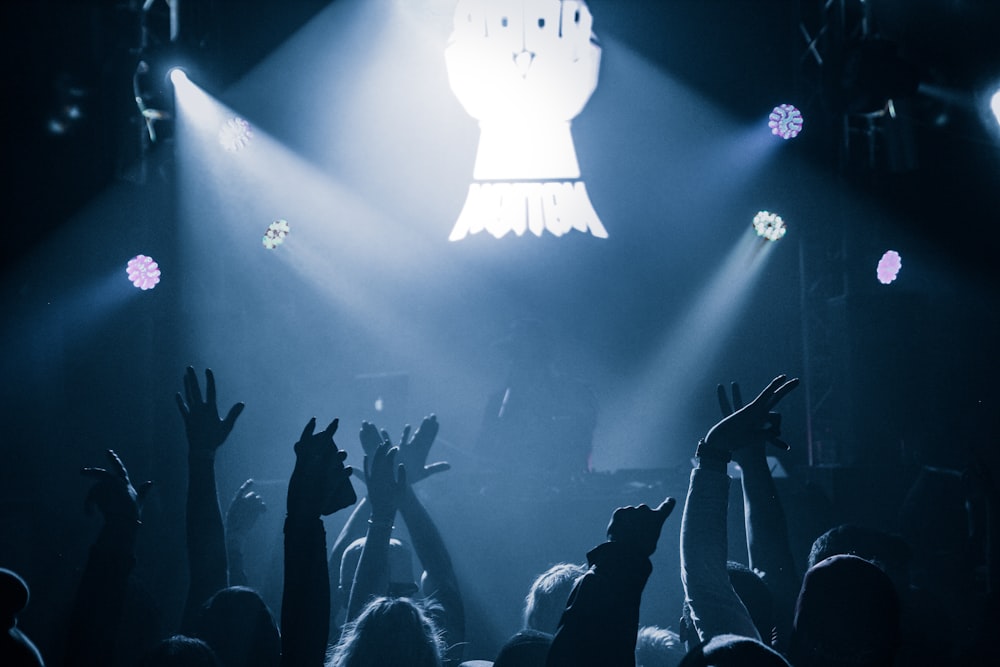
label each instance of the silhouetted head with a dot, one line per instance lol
(733, 651)
(528, 648)
(13, 597)
(181, 651)
(847, 614)
(546, 599)
(401, 580)
(658, 647)
(239, 627)
(887, 550)
(389, 631)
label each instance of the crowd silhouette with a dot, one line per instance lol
(380, 596)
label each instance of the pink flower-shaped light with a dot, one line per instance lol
(143, 272)
(785, 121)
(888, 267)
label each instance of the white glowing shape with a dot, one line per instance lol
(524, 69)
(379, 404)
(275, 234)
(785, 121)
(769, 225)
(235, 134)
(888, 267)
(500, 208)
(995, 105)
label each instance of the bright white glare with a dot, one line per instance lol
(194, 104)
(524, 69)
(888, 267)
(995, 105)
(769, 225)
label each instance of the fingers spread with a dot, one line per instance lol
(191, 388)
(784, 390)
(737, 396)
(209, 386)
(234, 412)
(666, 507)
(117, 464)
(433, 468)
(308, 430)
(181, 405)
(723, 401)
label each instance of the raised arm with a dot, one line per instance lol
(386, 486)
(356, 525)
(714, 606)
(320, 485)
(100, 597)
(244, 509)
(440, 580)
(601, 620)
(206, 545)
(766, 528)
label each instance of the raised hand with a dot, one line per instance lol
(413, 451)
(751, 424)
(113, 494)
(640, 526)
(205, 431)
(370, 438)
(320, 483)
(245, 508)
(756, 451)
(386, 482)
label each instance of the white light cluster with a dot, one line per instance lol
(769, 225)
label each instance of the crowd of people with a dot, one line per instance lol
(357, 603)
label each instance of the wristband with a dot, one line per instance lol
(381, 523)
(709, 454)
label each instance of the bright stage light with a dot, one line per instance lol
(888, 267)
(769, 225)
(177, 75)
(235, 134)
(143, 272)
(275, 234)
(995, 105)
(785, 121)
(524, 69)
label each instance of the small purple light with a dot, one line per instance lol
(888, 267)
(785, 121)
(143, 272)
